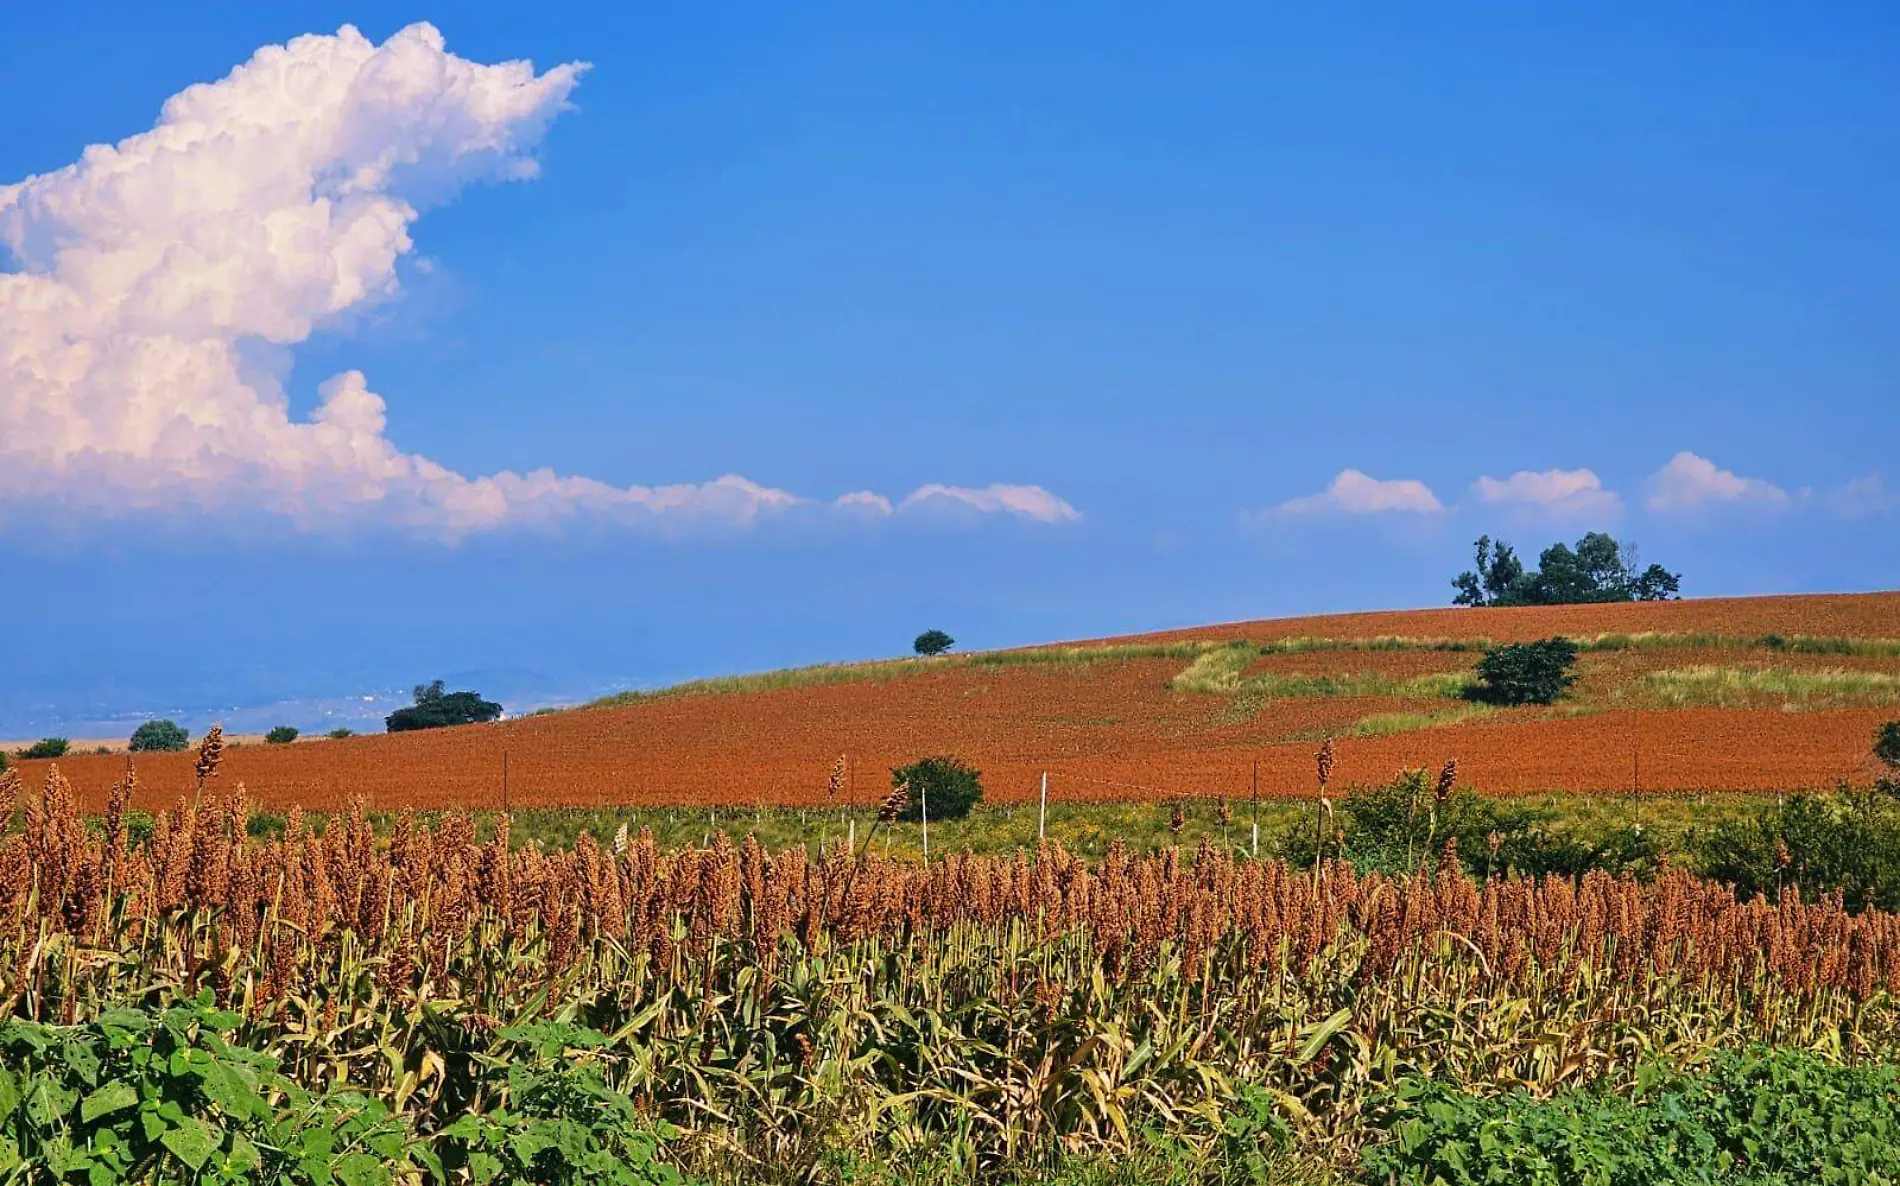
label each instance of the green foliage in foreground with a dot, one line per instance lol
(170, 1097)
(1765, 1118)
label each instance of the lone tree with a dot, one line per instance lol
(47, 747)
(1526, 672)
(933, 642)
(1599, 569)
(159, 737)
(949, 787)
(436, 709)
(281, 735)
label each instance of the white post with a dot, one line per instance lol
(923, 802)
(851, 838)
(1042, 809)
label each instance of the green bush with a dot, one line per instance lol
(1847, 842)
(1396, 827)
(47, 747)
(1887, 747)
(159, 737)
(1760, 1118)
(949, 786)
(281, 735)
(340, 734)
(1525, 672)
(437, 709)
(933, 642)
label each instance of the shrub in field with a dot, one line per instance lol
(159, 737)
(1525, 672)
(47, 747)
(933, 642)
(281, 735)
(1887, 749)
(339, 734)
(1762, 1118)
(1396, 826)
(1846, 843)
(949, 788)
(436, 709)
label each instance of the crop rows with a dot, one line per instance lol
(1167, 717)
(1000, 1004)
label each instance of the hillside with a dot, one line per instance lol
(1708, 695)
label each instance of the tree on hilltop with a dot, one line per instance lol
(1598, 569)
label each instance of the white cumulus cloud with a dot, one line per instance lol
(1559, 493)
(1354, 493)
(1689, 481)
(259, 208)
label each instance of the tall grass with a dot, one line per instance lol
(1793, 687)
(1216, 671)
(1384, 724)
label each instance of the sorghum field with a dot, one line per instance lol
(204, 1004)
(1405, 969)
(1742, 694)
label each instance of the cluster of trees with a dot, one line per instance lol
(436, 709)
(1598, 569)
(433, 708)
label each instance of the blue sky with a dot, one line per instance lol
(1121, 294)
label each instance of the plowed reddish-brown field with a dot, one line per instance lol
(1115, 730)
